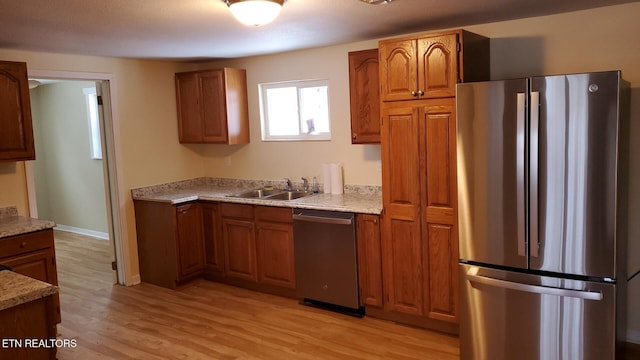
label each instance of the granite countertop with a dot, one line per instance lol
(363, 199)
(16, 289)
(12, 224)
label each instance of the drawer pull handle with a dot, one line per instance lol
(23, 244)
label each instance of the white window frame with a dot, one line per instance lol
(298, 84)
(95, 142)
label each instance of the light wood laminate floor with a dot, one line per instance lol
(208, 320)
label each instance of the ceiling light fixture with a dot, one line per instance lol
(376, 2)
(255, 12)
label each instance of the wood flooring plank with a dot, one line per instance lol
(208, 320)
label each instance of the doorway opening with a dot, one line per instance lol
(73, 181)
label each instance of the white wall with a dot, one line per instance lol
(69, 183)
(277, 160)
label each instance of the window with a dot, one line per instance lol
(295, 110)
(94, 122)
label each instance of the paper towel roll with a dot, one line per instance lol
(336, 178)
(326, 178)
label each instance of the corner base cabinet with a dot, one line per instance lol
(237, 244)
(170, 242)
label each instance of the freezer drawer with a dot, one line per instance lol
(509, 315)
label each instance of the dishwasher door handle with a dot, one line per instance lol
(322, 219)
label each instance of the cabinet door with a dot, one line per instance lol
(398, 70)
(190, 244)
(401, 243)
(439, 230)
(16, 134)
(239, 249)
(364, 94)
(438, 66)
(40, 265)
(369, 260)
(189, 107)
(214, 106)
(212, 231)
(275, 253)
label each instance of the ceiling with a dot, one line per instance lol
(205, 29)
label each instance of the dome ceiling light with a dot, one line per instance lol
(255, 12)
(376, 2)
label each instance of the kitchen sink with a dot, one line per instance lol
(256, 194)
(274, 194)
(288, 195)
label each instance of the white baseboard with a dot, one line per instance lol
(633, 336)
(96, 234)
(134, 280)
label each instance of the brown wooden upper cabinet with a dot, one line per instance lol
(16, 130)
(430, 66)
(365, 96)
(212, 106)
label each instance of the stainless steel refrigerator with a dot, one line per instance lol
(541, 165)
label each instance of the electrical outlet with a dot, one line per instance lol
(227, 160)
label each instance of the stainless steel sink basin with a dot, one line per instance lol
(288, 195)
(256, 194)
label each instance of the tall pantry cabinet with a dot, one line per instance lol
(418, 141)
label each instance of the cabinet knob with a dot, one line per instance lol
(414, 93)
(23, 244)
(420, 92)
(354, 136)
(375, 221)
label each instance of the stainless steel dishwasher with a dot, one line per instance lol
(326, 260)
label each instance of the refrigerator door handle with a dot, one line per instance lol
(534, 113)
(520, 169)
(473, 276)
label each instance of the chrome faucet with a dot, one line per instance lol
(305, 184)
(289, 185)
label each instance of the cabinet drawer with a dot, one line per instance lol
(239, 211)
(21, 244)
(277, 214)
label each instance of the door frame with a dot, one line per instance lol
(112, 177)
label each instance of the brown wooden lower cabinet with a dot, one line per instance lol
(33, 255)
(258, 245)
(190, 241)
(33, 322)
(170, 242)
(369, 260)
(403, 276)
(238, 234)
(212, 233)
(274, 239)
(244, 245)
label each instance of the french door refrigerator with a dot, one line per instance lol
(540, 184)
